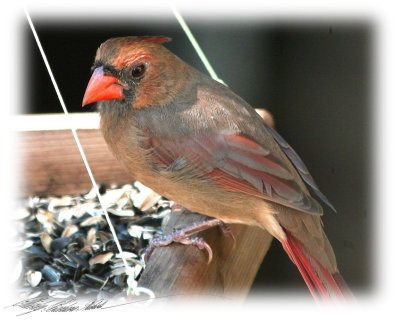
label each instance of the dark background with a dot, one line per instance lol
(314, 78)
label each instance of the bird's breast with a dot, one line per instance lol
(132, 145)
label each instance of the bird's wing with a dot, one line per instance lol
(235, 162)
(222, 137)
(299, 165)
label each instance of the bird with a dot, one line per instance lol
(194, 141)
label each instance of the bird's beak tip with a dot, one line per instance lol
(101, 87)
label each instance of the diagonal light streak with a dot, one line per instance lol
(196, 45)
(78, 143)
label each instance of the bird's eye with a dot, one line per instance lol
(138, 71)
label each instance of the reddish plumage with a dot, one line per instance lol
(154, 39)
(194, 141)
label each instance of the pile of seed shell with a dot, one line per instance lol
(65, 247)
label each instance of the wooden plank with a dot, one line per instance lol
(51, 163)
(183, 270)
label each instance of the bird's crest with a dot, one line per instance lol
(154, 39)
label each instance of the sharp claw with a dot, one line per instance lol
(226, 230)
(210, 253)
(201, 244)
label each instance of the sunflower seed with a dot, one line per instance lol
(121, 213)
(59, 244)
(101, 258)
(146, 198)
(59, 294)
(50, 274)
(91, 236)
(44, 216)
(21, 245)
(46, 240)
(33, 277)
(69, 230)
(57, 203)
(65, 214)
(92, 221)
(135, 231)
(126, 255)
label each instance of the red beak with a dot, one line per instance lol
(101, 87)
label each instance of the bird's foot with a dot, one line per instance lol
(178, 236)
(183, 236)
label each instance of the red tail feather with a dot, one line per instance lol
(320, 282)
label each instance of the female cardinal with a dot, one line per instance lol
(194, 141)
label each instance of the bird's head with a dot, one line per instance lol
(137, 71)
